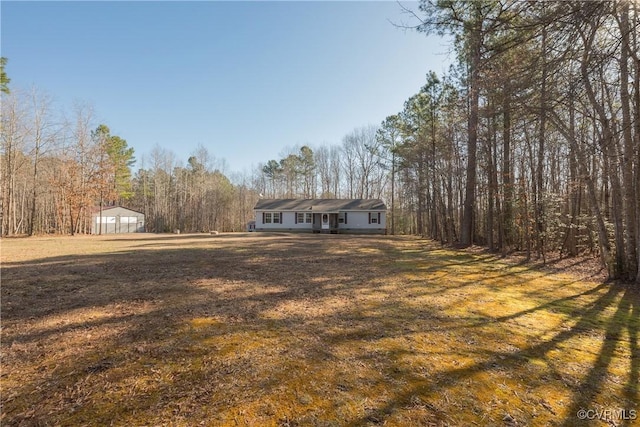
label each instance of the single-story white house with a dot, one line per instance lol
(321, 215)
(116, 219)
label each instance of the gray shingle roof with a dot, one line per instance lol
(321, 205)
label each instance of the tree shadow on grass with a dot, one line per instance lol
(285, 331)
(110, 311)
(587, 392)
(626, 317)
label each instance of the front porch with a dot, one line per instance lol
(325, 222)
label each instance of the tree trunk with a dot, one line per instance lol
(636, 120)
(607, 145)
(475, 38)
(574, 190)
(539, 190)
(506, 228)
(393, 192)
(630, 192)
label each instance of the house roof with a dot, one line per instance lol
(321, 205)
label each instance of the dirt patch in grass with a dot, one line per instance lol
(307, 330)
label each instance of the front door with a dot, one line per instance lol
(325, 221)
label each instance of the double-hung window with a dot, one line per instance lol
(304, 217)
(272, 218)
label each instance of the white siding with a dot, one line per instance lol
(288, 222)
(356, 221)
(360, 221)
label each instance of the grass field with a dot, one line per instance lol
(312, 330)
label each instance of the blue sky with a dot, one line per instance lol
(243, 79)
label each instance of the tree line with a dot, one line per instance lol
(547, 156)
(56, 170)
(530, 142)
(59, 171)
(195, 197)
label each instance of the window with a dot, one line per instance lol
(302, 217)
(271, 217)
(374, 220)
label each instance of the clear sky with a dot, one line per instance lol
(243, 79)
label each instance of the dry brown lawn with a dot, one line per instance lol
(315, 330)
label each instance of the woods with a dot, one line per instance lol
(529, 143)
(552, 152)
(58, 171)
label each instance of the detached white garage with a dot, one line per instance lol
(116, 219)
